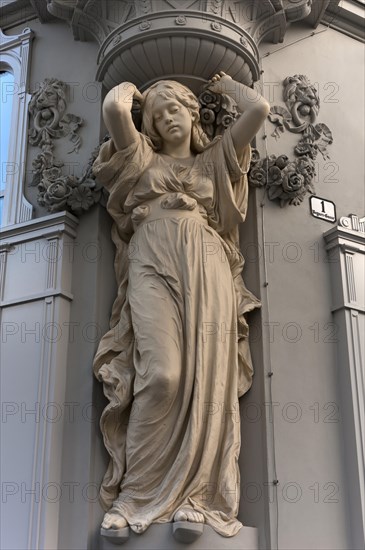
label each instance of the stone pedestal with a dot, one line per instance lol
(160, 537)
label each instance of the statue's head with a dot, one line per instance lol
(170, 89)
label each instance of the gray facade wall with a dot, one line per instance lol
(294, 336)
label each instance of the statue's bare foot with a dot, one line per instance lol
(113, 520)
(188, 514)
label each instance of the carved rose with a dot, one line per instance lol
(257, 177)
(39, 163)
(293, 182)
(274, 175)
(43, 160)
(209, 98)
(207, 116)
(227, 120)
(282, 161)
(57, 193)
(51, 174)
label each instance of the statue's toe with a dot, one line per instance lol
(186, 514)
(113, 521)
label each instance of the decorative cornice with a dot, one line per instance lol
(40, 8)
(10, 41)
(353, 222)
(348, 18)
(188, 40)
(63, 222)
(345, 235)
(346, 256)
(144, 51)
(17, 12)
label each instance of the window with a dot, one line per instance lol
(6, 104)
(14, 100)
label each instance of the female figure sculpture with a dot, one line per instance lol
(176, 358)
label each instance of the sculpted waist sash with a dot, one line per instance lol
(170, 205)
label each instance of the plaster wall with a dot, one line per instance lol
(300, 333)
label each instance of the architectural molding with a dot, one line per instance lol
(347, 17)
(189, 47)
(17, 12)
(353, 222)
(145, 41)
(36, 280)
(60, 222)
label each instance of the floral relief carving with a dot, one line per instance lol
(180, 20)
(217, 112)
(145, 25)
(216, 26)
(285, 180)
(57, 191)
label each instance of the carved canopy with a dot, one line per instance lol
(187, 40)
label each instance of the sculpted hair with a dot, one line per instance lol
(169, 89)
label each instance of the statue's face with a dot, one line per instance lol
(172, 120)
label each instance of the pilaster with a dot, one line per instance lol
(36, 277)
(345, 246)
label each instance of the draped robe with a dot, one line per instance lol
(176, 358)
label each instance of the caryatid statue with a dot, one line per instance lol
(178, 346)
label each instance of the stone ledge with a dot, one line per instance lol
(160, 537)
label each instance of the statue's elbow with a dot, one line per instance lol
(264, 107)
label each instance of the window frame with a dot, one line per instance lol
(15, 58)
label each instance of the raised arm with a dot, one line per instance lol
(253, 106)
(117, 115)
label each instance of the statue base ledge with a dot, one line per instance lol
(116, 536)
(162, 536)
(186, 532)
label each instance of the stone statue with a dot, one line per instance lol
(176, 358)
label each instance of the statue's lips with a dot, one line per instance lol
(175, 127)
